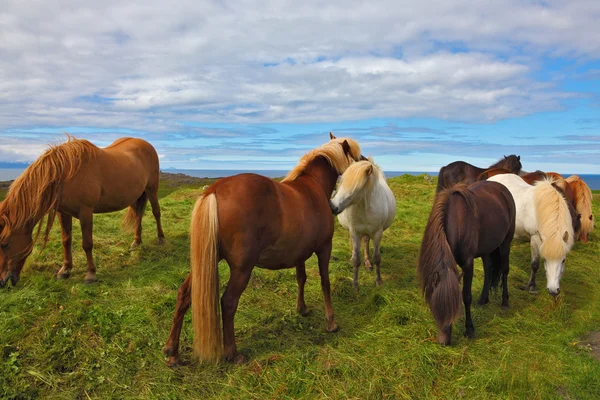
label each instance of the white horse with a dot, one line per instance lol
(366, 207)
(544, 220)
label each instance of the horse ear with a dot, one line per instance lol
(331, 136)
(566, 236)
(519, 158)
(369, 170)
(346, 147)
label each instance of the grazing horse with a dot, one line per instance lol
(460, 171)
(533, 177)
(77, 179)
(465, 222)
(544, 220)
(250, 220)
(366, 207)
(583, 202)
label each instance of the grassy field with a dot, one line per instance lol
(66, 339)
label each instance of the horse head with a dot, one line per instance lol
(15, 247)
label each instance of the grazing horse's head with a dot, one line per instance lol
(356, 182)
(511, 163)
(15, 247)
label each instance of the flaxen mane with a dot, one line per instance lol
(554, 221)
(357, 176)
(35, 192)
(583, 201)
(332, 152)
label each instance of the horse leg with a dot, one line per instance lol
(367, 240)
(488, 266)
(153, 198)
(301, 279)
(535, 244)
(137, 238)
(66, 223)
(323, 255)
(467, 297)
(229, 302)
(377, 255)
(86, 218)
(355, 239)
(171, 348)
(504, 254)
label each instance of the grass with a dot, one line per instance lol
(66, 339)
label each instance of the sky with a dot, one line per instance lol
(256, 84)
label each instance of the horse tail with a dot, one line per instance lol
(204, 259)
(437, 266)
(496, 272)
(136, 210)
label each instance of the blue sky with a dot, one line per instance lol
(255, 84)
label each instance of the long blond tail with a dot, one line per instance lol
(206, 315)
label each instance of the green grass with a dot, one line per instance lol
(66, 339)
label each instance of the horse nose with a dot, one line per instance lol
(554, 293)
(334, 209)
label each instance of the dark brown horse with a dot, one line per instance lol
(460, 171)
(77, 179)
(466, 222)
(250, 220)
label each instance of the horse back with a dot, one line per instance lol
(457, 172)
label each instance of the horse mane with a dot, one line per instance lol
(35, 192)
(554, 219)
(333, 152)
(356, 177)
(511, 163)
(583, 202)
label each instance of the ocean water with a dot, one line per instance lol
(7, 174)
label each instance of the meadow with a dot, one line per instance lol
(63, 339)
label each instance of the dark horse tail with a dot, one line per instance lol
(437, 266)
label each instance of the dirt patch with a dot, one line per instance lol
(591, 343)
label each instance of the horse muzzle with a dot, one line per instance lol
(554, 293)
(335, 210)
(12, 278)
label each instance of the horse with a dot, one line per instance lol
(365, 206)
(250, 220)
(491, 172)
(465, 222)
(543, 219)
(460, 171)
(77, 179)
(583, 203)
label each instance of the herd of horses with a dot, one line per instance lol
(249, 220)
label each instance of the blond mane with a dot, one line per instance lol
(356, 177)
(333, 152)
(554, 219)
(35, 192)
(583, 202)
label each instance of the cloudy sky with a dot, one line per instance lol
(254, 84)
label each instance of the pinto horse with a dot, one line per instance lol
(250, 220)
(543, 219)
(465, 222)
(77, 179)
(460, 171)
(366, 207)
(583, 202)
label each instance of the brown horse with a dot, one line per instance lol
(465, 222)
(250, 220)
(77, 179)
(583, 203)
(488, 173)
(460, 171)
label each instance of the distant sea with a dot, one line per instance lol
(6, 174)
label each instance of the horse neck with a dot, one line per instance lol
(323, 173)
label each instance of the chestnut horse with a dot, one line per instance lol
(466, 222)
(250, 220)
(583, 202)
(77, 179)
(460, 171)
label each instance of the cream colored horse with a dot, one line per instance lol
(366, 207)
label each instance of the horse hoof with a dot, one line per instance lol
(368, 266)
(332, 327)
(533, 290)
(63, 275)
(482, 302)
(173, 361)
(378, 282)
(90, 280)
(239, 359)
(304, 312)
(161, 241)
(470, 335)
